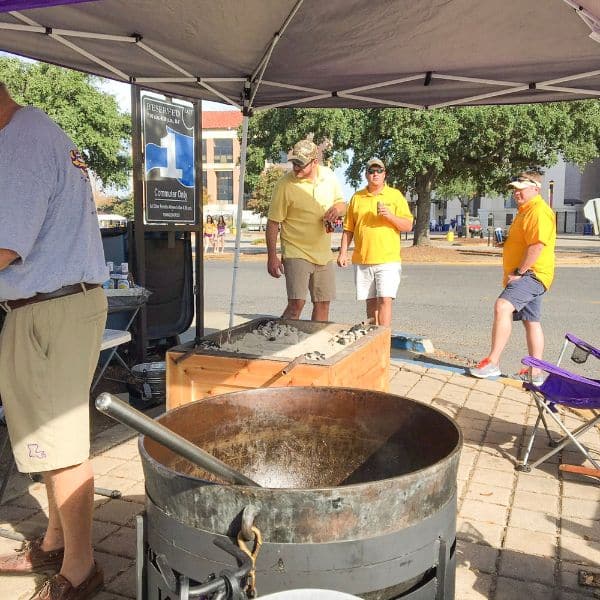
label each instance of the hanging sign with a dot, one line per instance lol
(169, 175)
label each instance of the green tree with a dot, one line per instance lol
(464, 190)
(90, 117)
(120, 206)
(423, 150)
(272, 132)
(264, 190)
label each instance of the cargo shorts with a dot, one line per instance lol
(48, 354)
(302, 276)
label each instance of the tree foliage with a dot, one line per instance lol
(120, 206)
(264, 190)
(89, 116)
(478, 148)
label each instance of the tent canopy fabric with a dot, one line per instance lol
(311, 53)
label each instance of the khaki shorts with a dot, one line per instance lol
(302, 276)
(48, 354)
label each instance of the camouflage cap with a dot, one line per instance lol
(303, 152)
(375, 162)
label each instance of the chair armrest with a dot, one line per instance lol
(583, 345)
(551, 368)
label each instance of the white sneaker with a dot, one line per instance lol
(537, 380)
(484, 369)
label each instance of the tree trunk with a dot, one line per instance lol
(424, 184)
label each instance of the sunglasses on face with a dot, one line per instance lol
(299, 167)
(375, 170)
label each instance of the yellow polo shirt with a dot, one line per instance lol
(376, 240)
(535, 222)
(299, 205)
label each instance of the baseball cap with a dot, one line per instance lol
(303, 152)
(375, 162)
(525, 180)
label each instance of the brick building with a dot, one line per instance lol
(221, 156)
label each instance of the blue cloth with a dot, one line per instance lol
(47, 211)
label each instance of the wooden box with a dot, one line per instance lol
(204, 372)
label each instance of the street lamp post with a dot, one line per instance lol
(551, 192)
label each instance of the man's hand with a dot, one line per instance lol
(275, 267)
(335, 211)
(342, 259)
(384, 211)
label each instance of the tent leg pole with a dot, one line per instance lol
(238, 228)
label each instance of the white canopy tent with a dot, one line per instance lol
(260, 54)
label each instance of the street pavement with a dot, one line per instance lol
(520, 535)
(451, 304)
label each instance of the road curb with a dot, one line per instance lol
(414, 343)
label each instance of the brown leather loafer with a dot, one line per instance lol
(31, 559)
(60, 588)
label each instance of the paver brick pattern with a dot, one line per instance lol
(520, 535)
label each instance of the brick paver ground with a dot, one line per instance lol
(520, 535)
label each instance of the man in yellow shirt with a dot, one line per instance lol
(376, 216)
(528, 262)
(305, 201)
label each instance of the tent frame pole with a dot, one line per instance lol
(238, 228)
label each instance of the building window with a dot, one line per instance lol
(224, 151)
(204, 180)
(203, 150)
(225, 186)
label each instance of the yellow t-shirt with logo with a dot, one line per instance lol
(376, 240)
(299, 205)
(535, 222)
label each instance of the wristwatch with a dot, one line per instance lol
(518, 273)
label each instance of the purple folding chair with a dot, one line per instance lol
(563, 388)
(581, 349)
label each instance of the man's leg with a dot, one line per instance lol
(387, 281)
(321, 285)
(72, 489)
(320, 311)
(501, 329)
(384, 311)
(54, 538)
(293, 310)
(372, 312)
(535, 342)
(297, 274)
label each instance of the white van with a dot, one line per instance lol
(108, 221)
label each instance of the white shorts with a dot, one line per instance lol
(377, 281)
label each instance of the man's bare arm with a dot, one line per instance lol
(528, 260)
(274, 264)
(7, 257)
(531, 255)
(400, 223)
(335, 211)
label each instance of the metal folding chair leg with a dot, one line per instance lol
(570, 437)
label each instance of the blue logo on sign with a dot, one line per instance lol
(174, 157)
